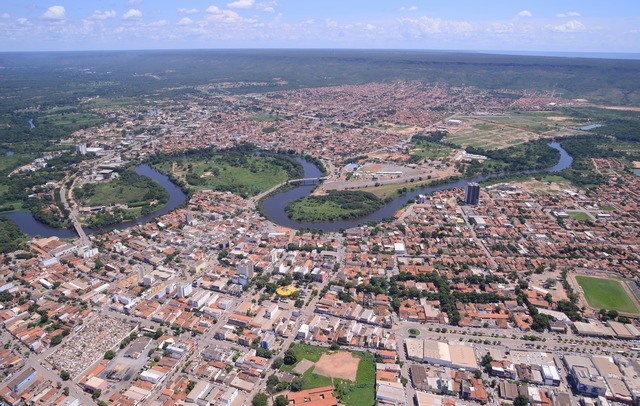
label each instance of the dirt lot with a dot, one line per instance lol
(302, 366)
(341, 364)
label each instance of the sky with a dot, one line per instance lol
(476, 25)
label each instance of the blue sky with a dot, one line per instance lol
(501, 25)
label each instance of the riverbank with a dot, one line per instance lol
(273, 207)
(30, 226)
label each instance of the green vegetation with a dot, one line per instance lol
(360, 392)
(414, 332)
(606, 294)
(578, 215)
(129, 188)
(265, 118)
(528, 156)
(241, 170)
(140, 193)
(336, 205)
(11, 238)
(428, 147)
(260, 399)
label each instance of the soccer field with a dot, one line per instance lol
(606, 294)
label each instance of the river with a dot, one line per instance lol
(273, 206)
(32, 227)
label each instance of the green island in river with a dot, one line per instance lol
(335, 205)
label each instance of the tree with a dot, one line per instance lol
(290, 357)
(109, 354)
(277, 363)
(65, 391)
(260, 399)
(335, 346)
(96, 394)
(297, 384)
(477, 374)
(521, 400)
(64, 375)
(281, 400)
(272, 381)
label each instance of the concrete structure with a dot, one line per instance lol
(456, 355)
(584, 376)
(472, 194)
(184, 290)
(390, 393)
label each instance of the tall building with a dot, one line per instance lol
(472, 195)
(245, 268)
(81, 149)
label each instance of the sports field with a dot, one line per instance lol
(352, 374)
(606, 294)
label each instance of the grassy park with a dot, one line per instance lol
(606, 294)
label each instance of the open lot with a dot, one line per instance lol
(606, 294)
(353, 374)
(497, 132)
(341, 364)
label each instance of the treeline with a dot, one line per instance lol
(11, 238)
(344, 204)
(530, 155)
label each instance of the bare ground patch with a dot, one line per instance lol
(341, 364)
(302, 366)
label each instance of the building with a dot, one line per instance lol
(472, 195)
(584, 376)
(184, 290)
(22, 380)
(81, 149)
(322, 396)
(244, 272)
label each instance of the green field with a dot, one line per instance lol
(428, 150)
(578, 215)
(336, 205)
(242, 174)
(606, 294)
(360, 392)
(130, 188)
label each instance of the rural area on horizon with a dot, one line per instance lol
(319, 227)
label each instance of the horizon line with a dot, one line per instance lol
(554, 54)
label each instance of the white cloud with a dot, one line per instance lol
(22, 21)
(411, 8)
(103, 15)
(241, 4)
(213, 10)
(5, 16)
(570, 26)
(134, 2)
(425, 26)
(524, 14)
(569, 14)
(267, 6)
(188, 11)
(132, 14)
(185, 21)
(55, 13)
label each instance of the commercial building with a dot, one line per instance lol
(455, 355)
(584, 376)
(472, 194)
